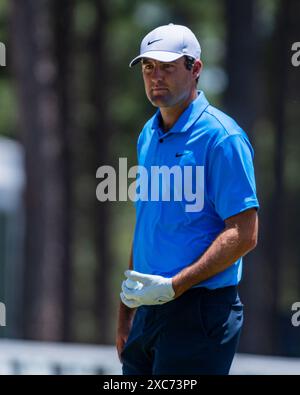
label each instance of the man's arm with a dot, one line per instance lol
(125, 318)
(237, 239)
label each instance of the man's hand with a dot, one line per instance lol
(146, 289)
(123, 329)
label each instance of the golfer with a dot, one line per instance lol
(180, 311)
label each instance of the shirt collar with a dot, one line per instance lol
(187, 118)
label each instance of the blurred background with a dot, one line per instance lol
(69, 104)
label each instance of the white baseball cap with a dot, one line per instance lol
(168, 43)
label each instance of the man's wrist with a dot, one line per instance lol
(126, 311)
(178, 287)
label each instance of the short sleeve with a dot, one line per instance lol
(231, 179)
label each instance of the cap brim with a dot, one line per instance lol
(161, 56)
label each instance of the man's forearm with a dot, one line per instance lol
(126, 313)
(223, 252)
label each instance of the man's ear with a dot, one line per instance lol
(197, 68)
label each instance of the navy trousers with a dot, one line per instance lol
(197, 333)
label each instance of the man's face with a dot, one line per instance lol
(168, 84)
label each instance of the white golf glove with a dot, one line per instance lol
(145, 289)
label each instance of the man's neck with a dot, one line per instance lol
(171, 114)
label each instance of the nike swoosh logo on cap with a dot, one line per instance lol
(154, 41)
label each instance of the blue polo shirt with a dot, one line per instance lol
(169, 237)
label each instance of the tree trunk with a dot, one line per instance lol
(280, 66)
(63, 12)
(43, 124)
(241, 101)
(100, 132)
(241, 64)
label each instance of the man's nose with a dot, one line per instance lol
(157, 74)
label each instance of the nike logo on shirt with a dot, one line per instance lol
(186, 152)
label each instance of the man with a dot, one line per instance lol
(180, 311)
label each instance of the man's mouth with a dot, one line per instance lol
(158, 89)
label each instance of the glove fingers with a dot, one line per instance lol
(129, 302)
(130, 293)
(136, 276)
(127, 291)
(125, 288)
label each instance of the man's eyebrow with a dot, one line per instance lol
(144, 61)
(149, 61)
